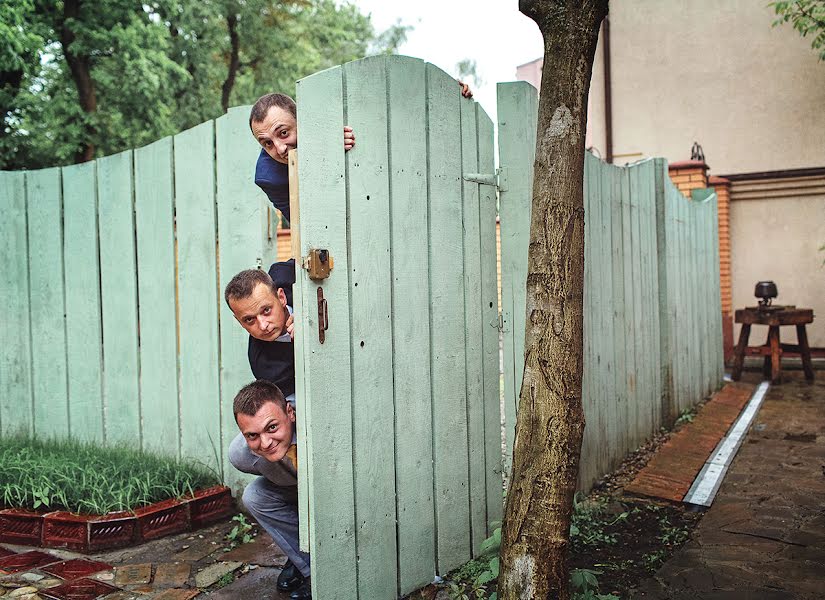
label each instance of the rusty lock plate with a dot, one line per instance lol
(323, 315)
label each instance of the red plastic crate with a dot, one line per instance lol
(114, 530)
(79, 589)
(19, 526)
(27, 560)
(161, 519)
(210, 505)
(63, 529)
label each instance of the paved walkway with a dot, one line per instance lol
(764, 536)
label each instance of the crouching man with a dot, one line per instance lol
(266, 447)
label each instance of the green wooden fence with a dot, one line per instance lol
(652, 309)
(114, 328)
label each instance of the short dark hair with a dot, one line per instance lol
(264, 103)
(251, 397)
(244, 283)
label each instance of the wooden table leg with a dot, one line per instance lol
(739, 356)
(805, 352)
(776, 369)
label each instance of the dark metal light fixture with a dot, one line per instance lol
(766, 291)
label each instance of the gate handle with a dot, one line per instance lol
(323, 315)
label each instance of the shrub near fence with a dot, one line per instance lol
(652, 308)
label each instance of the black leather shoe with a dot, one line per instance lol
(304, 592)
(290, 578)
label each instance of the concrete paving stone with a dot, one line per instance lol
(172, 574)
(176, 594)
(126, 575)
(124, 595)
(258, 583)
(195, 553)
(211, 574)
(261, 551)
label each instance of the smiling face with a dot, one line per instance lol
(268, 432)
(263, 313)
(277, 133)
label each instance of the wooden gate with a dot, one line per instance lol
(398, 407)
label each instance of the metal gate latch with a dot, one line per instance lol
(318, 264)
(323, 315)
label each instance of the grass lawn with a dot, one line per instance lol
(84, 477)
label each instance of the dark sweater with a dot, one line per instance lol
(273, 178)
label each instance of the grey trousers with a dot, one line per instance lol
(272, 499)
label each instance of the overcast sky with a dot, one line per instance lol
(491, 32)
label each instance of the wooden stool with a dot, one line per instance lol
(773, 317)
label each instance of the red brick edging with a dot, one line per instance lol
(92, 533)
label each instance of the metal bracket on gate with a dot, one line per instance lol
(323, 315)
(498, 179)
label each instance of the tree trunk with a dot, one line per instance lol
(80, 67)
(234, 60)
(536, 529)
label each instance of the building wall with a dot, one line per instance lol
(716, 73)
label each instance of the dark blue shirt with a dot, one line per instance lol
(273, 178)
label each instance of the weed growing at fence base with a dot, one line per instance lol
(86, 478)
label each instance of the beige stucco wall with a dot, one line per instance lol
(779, 240)
(714, 72)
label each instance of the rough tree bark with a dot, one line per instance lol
(234, 60)
(550, 424)
(81, 70)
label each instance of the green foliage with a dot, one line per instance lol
(87, 478)
(470, 580)
(590, 523)
(687, 416)
(807, 17)
(585, 585)
(241, 533)
(158, 67)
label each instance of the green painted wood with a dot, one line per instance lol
(194, 157)
(116, 233)
(612, 185)
(663, 258)
(590, 377)
(15, 329)
(449, 387)
(640, 308)
(411, 332)
(473, 327)
(241, 207)
(328, 403)
(490, 326)
(84, 351)
(371, 309)
(517, 113)
(47, 302)
(155, 243)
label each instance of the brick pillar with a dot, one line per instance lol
(688, 175)
(722, 187)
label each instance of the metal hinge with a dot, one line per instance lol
(498, 179)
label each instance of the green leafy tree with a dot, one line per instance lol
(807, 17)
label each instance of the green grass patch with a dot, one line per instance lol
(87, 478)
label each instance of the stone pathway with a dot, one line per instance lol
(764, 536)
(178, 567)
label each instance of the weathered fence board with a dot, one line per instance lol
(116, 226)
(15, 333)
(155, 242)
(48, 302)
(652, 332)
(83, 320)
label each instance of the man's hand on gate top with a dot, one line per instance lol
(465, 89)
(290, 326)
(349, 138)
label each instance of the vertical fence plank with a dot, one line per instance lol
(83, 326)
(47, 297)
(517, 113)
(612, 185)
(371, 312)
(328, 411)
(194, 157)
(489, 323)
(716, 298)
(155, 242)
(449, 386)
(411, 333)
(589, 449)
(663, 258)
(240, 210)
(472, 326)
(15, 350)
(118, 292)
